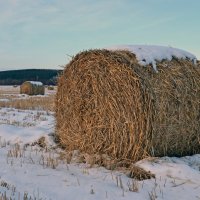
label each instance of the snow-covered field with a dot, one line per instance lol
(29, 171)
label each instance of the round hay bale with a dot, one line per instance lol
(32, 88)
(107, 103)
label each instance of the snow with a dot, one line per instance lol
(24, 126)
(35, 83)
(4, 100)
(150, 54)
(26, 169)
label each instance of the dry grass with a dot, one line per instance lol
(34, 103)
(9, 90)
(106, 103)
(9, 97)
(139, 173)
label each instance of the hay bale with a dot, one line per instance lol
(32, 88)
(107, 103)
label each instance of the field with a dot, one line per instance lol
(32, 166)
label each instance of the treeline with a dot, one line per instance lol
(17, 77)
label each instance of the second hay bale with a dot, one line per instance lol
(32, 88)
(107, 103)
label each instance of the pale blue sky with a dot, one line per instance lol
(39, 33)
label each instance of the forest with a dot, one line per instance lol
(17, 77)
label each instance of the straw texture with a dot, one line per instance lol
(107, 103)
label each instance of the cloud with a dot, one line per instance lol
(76, 15)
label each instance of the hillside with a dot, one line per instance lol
(17, 77)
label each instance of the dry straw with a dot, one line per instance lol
(30, 88)
(108, 104)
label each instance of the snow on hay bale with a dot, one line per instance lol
(32, 88)
(108, 103)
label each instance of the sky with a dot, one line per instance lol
(46, 33)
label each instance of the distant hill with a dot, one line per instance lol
(17, 77)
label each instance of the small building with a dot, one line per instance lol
(32, 88)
